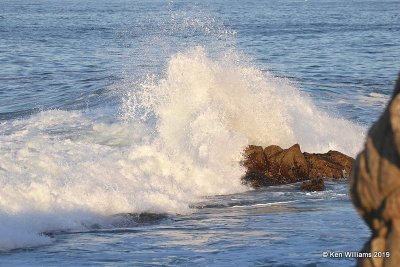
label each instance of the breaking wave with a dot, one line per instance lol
(178, 137)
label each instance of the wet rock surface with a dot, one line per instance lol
(316, 184)
(274, 165)
(332, 164)
(375, 187)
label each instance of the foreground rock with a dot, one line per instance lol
(316, 184)
(275, 166)
(375, 187)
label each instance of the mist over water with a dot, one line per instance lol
(152, 116)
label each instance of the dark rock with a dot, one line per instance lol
(254, 159)
(255, 163)
(293, 164)
(343, 160)
(256, 180)
(329, 165)
(375, 186)
(276, 166)
(285, 165)
(273, 157)
(316, 184)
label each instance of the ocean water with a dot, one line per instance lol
(122, 125)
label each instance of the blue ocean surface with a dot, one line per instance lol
(122, 125)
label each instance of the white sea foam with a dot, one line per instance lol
(180, 138)
(257, 106)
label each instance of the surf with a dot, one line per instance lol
(176, 138)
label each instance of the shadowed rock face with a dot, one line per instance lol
(255, 159)
(316, 184)
(375, 186)
(275, 166)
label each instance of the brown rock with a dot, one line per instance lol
(254, 159)
(285, 165)
(329, 165)
(345, 161)
(294, 165)
(276, 166)
(255, 163)
(316, 184)
(270, 151)
(273, 156)
(375, 186)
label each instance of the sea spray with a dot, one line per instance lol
(246, 102)
(180, 138)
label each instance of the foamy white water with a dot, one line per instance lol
(180, 137)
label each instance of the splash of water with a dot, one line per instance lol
(181, 138)
(242, 100)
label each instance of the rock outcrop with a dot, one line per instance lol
(316, 184)
(255, 159)
(286, 165)
(332, 164)
(375, 187)
(274, 165)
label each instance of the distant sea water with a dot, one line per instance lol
(122, 125)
